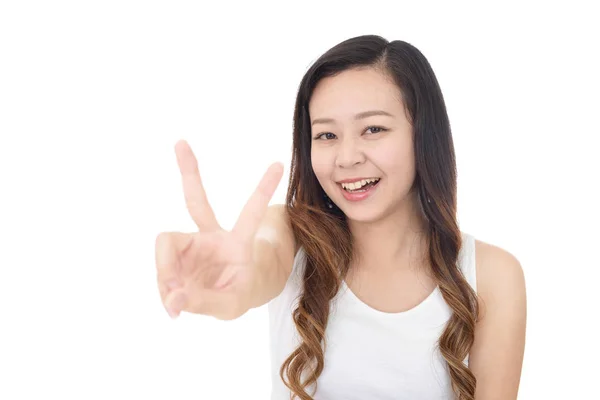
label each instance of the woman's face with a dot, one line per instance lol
(359, 132)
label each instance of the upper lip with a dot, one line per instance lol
(356, 179)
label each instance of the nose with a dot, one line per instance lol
(349, 154)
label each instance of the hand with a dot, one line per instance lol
(210, 271)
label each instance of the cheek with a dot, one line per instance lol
(320, 163)
(397, 160)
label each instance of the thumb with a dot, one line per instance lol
(176, 302)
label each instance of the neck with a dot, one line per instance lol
(397, 240)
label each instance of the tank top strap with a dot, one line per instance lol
(466, 259)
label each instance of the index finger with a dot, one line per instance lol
(256, 207)
(195, 196)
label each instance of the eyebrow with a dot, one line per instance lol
(358, 116)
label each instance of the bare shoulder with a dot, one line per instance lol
(496, 356)
(495, 259)
(499, 272)
(277, 215)
(277, 228)
(274, 254)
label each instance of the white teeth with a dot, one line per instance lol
(358, 184)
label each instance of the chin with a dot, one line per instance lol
(364, 213)
(362, 218)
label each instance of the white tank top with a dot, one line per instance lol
(371, 354)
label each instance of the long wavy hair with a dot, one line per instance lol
(323, 231)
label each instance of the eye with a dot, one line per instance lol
(327, 135)
(376, 129)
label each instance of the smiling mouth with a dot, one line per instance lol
(360, 186)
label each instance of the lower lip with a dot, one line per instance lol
(359, 195)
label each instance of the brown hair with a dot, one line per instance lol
(323, 232)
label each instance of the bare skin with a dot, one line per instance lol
(211, 271)
(223, 274)
(390, 272)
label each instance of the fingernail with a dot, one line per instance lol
(172, 313)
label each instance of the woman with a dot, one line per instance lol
(373, 291)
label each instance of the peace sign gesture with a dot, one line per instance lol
(210, 271)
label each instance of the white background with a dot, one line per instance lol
(94, 95)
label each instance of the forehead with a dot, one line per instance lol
(354, 91)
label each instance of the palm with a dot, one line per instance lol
(209, 270)
(214, 257)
